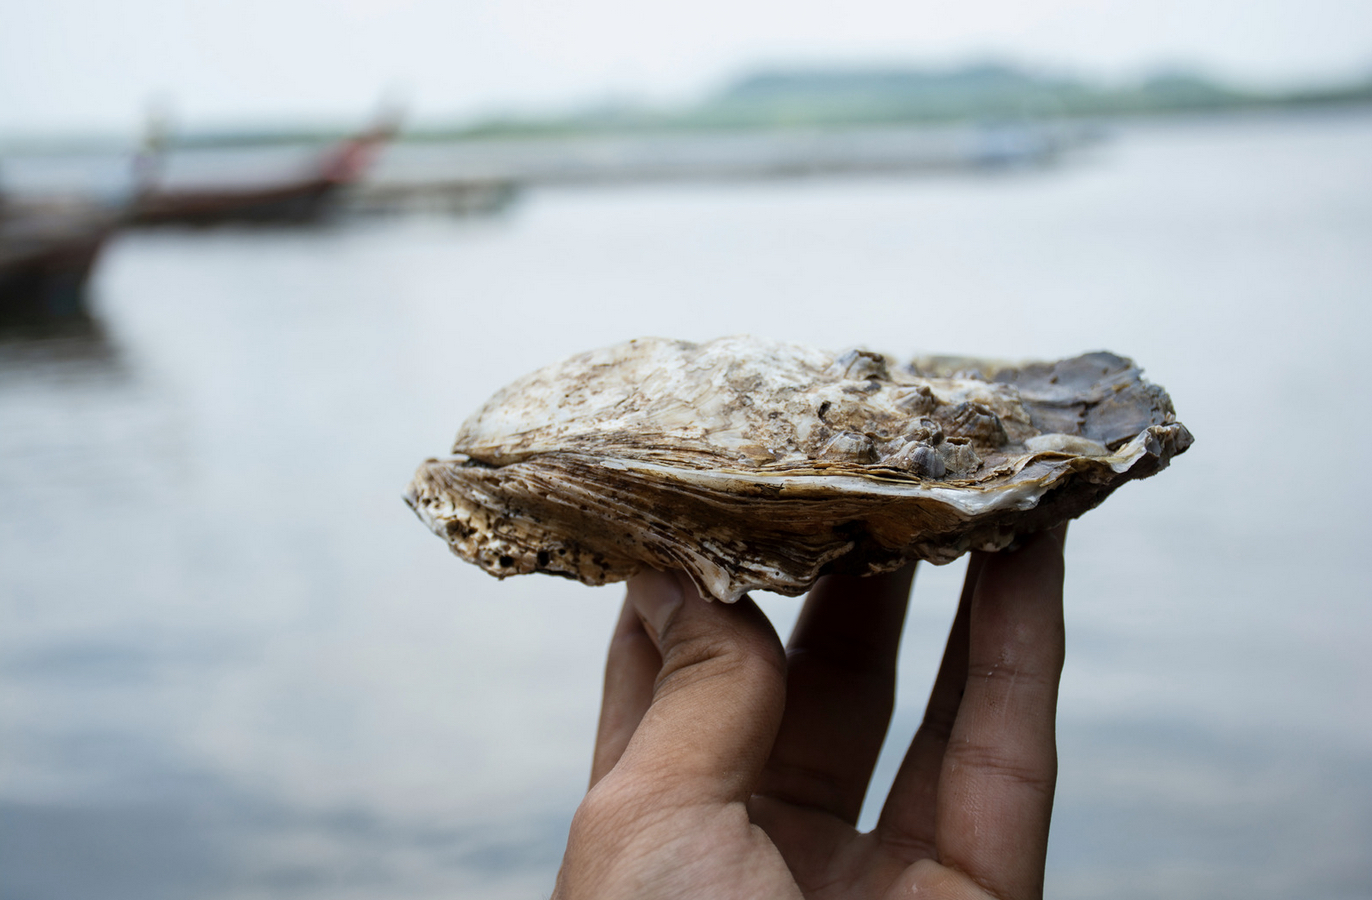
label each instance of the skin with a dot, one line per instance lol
(728, 767)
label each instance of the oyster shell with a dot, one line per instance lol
(752, 464)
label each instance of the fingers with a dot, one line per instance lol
(630, 670)
(717, 699)
(995, 793)
(840, 690)
(907, 819)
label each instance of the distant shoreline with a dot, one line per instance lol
(815, 100)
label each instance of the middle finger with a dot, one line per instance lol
(840, 690)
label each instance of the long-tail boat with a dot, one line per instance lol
(307, 200)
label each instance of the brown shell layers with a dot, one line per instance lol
(752, 464)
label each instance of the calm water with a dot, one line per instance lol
(235, 666)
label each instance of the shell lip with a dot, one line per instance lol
(1121, 459)
(1021, 489)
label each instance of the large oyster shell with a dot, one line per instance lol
(753, 464)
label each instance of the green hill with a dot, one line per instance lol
(819, 96)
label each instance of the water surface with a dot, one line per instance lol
(236, 666)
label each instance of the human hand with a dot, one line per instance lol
(727, 768)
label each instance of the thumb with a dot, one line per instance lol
(718, 698)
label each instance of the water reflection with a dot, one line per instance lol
(75, 346)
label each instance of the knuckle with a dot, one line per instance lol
(628, 642)
(855, 659)
(811, 788)
(690, 658)
(1006, 674)
(689, 650)
(592, 813)
(938, 720)
(608, 812)
(1006, 766)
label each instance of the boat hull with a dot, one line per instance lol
(43, 279)
(297, 204)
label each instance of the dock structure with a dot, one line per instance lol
(451, 196)
(481, 176)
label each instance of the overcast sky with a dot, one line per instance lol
(81, 65)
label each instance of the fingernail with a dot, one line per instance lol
(655, 596)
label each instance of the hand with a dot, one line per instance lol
(727, 768)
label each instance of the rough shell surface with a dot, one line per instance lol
(752, 464)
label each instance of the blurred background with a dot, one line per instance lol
(258, 259)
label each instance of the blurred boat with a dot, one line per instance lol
(304, 201)
(46, 256)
